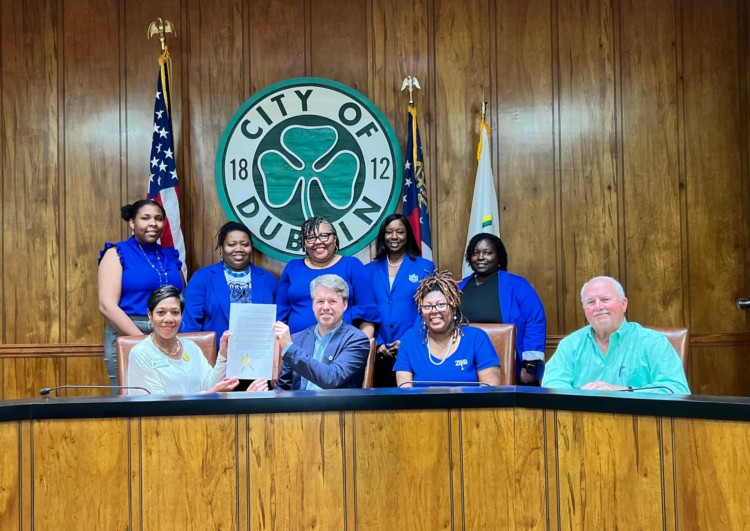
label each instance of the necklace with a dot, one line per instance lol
(164, 351)
(159, 272)
(445, 356)
(397, 263)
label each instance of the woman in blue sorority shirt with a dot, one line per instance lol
(395, 275)
(293, 301)
(441, 348)
(234, 278)
(129, 271)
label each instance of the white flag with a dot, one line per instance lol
(484, 216)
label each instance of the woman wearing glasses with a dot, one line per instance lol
(293, 302)
(441, 348)
(492, 295)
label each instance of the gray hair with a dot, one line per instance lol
(615, 284)
(334, 282)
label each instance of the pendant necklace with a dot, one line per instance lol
(159, 272)
(430, 355)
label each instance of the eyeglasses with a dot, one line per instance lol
(440, 306)
(323, 237)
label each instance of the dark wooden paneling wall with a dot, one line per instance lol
(620, 140)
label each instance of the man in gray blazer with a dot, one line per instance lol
(329, 355)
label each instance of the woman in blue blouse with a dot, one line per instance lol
(441, 348)
(492, 295)
(395, 275)
(293, 302)
(129, 271)
(233, 279)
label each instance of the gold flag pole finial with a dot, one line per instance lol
(411, 83)
(161, 27)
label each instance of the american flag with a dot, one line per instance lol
(163, 184)
(415, 192)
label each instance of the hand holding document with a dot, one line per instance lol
(251, 347)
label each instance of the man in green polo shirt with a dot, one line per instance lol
(612, 354)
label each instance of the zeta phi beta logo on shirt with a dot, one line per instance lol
(305, 147)
(462, 363)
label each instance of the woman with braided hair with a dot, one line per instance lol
(442, 347)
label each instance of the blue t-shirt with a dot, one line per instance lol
(294, 304)
(474, 353)
(145, 267)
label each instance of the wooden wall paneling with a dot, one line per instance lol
(717, 214)
(400, 49)
(712, 473)
(278, 39)
(338, 42)
(10, 474)
(92, 174)
(64, 451)
(181, 469)
(523, 147)
(609, 469)
(214, 80)
(386, 440)
(463, 53)
(297, 471)
(509, 478)
(651, 181)
(587, 143)
(86, 370)
(29, 168)
(24, 377)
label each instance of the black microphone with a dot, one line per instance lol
(47, 390)
(445, 383)
(631, 389)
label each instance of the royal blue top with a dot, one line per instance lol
(145, 267)
(398, 311)
(207, 298)
(294, 304)
(521, 306)
(474, 353)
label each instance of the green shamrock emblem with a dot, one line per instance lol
(314, 165)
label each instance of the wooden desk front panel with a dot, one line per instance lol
(712, 473)
(439, 469)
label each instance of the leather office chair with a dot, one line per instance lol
(370, 366)
(124, 344)
(503, 337)
(680, 339)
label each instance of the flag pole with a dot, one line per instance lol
(163, 184)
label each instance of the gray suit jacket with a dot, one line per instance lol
(342, 366)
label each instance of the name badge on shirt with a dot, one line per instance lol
(413, 278)
(158, 363)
